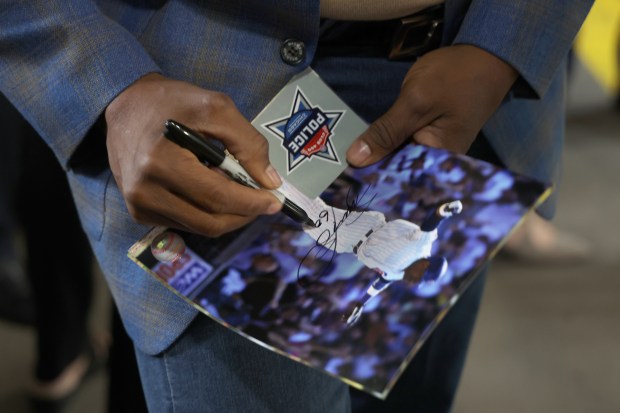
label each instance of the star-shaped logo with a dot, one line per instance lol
(306, 133)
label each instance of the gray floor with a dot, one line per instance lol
(546, 336)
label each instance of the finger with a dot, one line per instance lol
(243, 141)
(254, 157)
(162, 221)
(429, 136)
(211, 191)
(441, 134)
(174, 212)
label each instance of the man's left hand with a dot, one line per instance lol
(446, 97)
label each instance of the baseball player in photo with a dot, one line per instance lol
(396, 250)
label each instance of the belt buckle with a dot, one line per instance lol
(415, 34)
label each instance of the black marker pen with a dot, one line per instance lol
(215, 156)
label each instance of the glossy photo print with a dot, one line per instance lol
(393, 247)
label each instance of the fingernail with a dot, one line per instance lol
(274, 208)
(273, 175)
(358, 152)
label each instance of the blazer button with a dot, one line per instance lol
(293, 52)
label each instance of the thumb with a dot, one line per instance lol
(254, 156)
(383, 136)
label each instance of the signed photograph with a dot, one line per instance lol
(394, 247)
(384, 253)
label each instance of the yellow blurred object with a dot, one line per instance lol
(598, 43)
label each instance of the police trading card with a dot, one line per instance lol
(309, 129)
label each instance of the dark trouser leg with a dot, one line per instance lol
(15, 302)
(124, 387)
(59, 260)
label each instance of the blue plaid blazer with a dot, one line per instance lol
(63, 61)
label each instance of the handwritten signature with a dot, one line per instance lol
(324, 249)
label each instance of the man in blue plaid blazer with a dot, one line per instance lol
(97, 80)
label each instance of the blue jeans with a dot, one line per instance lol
(211, 369)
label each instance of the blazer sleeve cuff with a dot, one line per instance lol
(62, 78)
(533, 37)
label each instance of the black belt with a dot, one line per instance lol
(398, 39)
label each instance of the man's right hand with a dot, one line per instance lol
(164, 184)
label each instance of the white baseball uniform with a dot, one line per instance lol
(390, 247)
